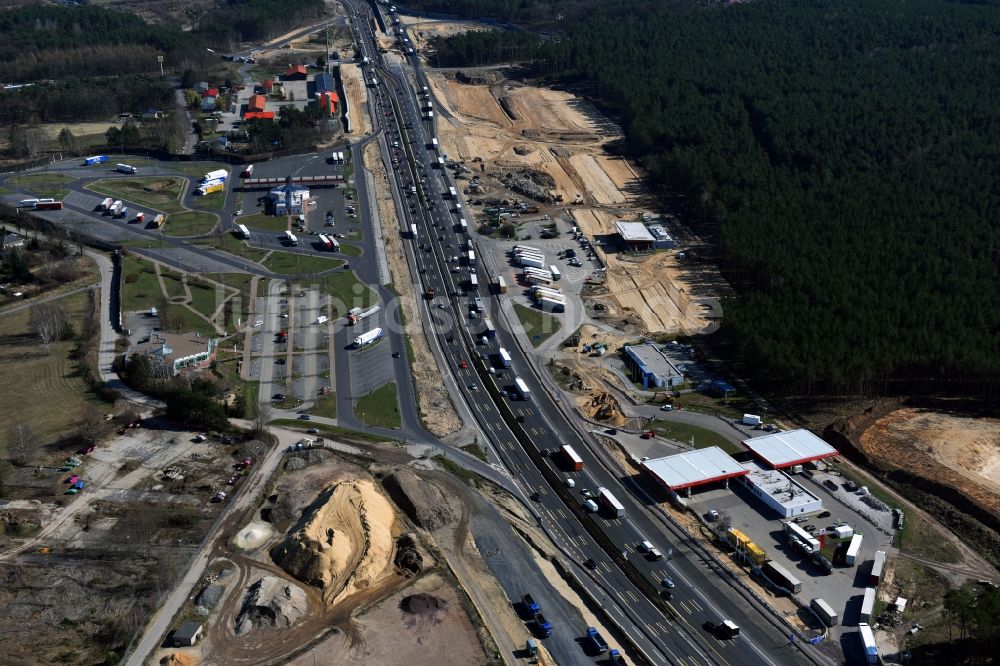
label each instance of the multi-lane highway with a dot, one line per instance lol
(456, 313)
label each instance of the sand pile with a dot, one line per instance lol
(422, 607)
(603, 407)
(271, 602)
(424, 502)
(180, 659)
(344, 541)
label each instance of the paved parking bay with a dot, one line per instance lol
(844, 588)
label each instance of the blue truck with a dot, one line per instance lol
(544, 626)
(615, 658)
(96, 159)
(531, 606)
(597, 640)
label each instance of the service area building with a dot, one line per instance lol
(635, 235)
(684, 471)
(786, 449)
(779, 492)
(288, 200)
(651, 366)
(661, 239)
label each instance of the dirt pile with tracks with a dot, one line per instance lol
(604, 407)
(426, 504)
(344, 541)
(271, 602)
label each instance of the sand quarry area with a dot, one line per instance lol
(960, 451)
(497, 126)
(343, 543)
(423, 29)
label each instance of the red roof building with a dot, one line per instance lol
(211, 92)
(256, 103)
(328, 102)
(296, 73)
(267, 84)
(258, 115)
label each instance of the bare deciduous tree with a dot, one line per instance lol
(260, 422)
(47, 321)
(21, 442)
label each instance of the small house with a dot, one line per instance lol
(267, 85)
(258, 115)
(188, 634)
(10, 241)
(296, 73)
(256, 103)
(201, 87)
(324, 82)
(211, 92)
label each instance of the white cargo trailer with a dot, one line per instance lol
(367, 338)
(853, 550)
(825, 613)
(610, 502)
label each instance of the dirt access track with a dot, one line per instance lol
(955, 451)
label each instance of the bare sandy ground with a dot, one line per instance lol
(422, 624)
(969, 447)
(355, 89)
(421, 30)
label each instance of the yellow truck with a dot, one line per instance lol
(210, 188)
(159, 220)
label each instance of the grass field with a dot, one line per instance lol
(158, 192)
(291, 263)
(539, 326)
(379, 408)
(144, 292)
(347, 292)
(45, 185)
(215, 200)
(190, 223)
(233, 245)
(197, 170)
(326, 406)
(41, 390)
(350, 250)
(703, 438)
(173, 282)
(265, 222)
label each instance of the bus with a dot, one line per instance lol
(290, 238)
(490, 332)
(243, 231)
(522, 390)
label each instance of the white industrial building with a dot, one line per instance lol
(683, 471)
(786, 449)
(635, 235)
(289, 199)
(651, 366)
(661, 239)
(779, 491)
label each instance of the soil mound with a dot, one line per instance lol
(422, 604)
(408, 556)
(343, 542)
(604, 407)
(424, 503)
(271, 602)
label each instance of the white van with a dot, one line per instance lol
(645, 547)
(590, 505)
(570, 483)
(28, 203)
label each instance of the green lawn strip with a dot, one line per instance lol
(205, 298)
(346, 292)
(350, 250)
(142, 292)
(197, 170)
(233, 245)
(292, 263)
(188, 321)
(325, 406)
(44, 185)
(215, 200)
(189, 223)
(703, 437)
(335, 432)
(470, 478)
(158, 192)
(173, 282)
(475, 450)
(539, 326)
(379, 408)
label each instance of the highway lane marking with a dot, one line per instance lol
(695, 603)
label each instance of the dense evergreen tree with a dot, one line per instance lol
(846, 150)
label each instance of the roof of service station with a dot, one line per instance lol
(633, 232)
(694, 468)
(789, 448)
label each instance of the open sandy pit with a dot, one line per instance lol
(953, 450)
(344, 541)
(421, 30)
(356, 96)
(271, 602)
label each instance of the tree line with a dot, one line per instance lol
(843, 154)
(252, 20)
